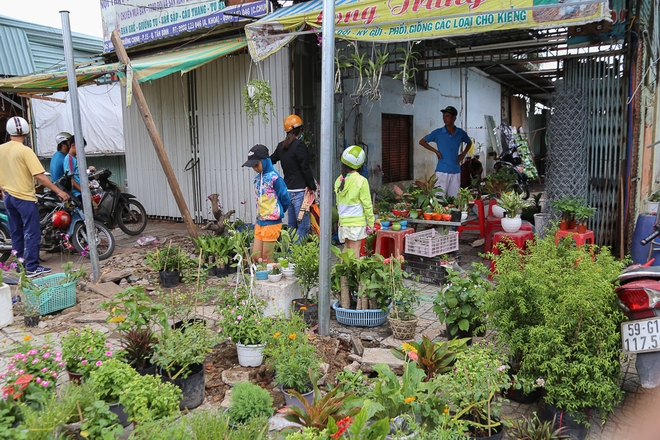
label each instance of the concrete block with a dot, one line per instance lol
(106, 290)
(232, 376)
(374, 356)
(278, 296)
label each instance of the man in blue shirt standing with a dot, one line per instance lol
(62, 140)
(448, 140)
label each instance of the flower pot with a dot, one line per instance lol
(169, 279)
(446, 217)
(251, 89)
(192, 386)
(404, 224)
(385, 225)
(581, 229)
(356, 99)
(292, 400)
(147, 370)
(232, 269)
(499, 435)
(261, 275)
(428, 215)
(408, 98)
(437, 216)
(221, 272)
(498, 211)
(74, 377)
(6, 306)
(542, 223)
(212, 271)
(396, 226)
(250, 355)
(339, 97)
(118, 409)
(464, 215)
(403, 330)
(414, 214)
(288, 273)
(511, 224)
(564, 225)
(561, 418)
(274, 278)
(309, 311)
(455, 216)
(571, 224)
(31, 321)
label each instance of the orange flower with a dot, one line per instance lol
(292, 336)
(303, 308)
(410, 399)
(277, 335)
(27, 338)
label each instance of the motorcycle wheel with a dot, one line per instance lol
(105, 241)
(4, 237)
(132, 217)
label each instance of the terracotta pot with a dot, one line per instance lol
(428, 216)
(74, 377)
(437, 216)
(446, 217)
(563, 225)
(581, 229)
(571, 224)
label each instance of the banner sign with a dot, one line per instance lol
(403, 20)
(139, 21)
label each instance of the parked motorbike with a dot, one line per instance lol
(510, 160)
(639, 297)
(115, 208)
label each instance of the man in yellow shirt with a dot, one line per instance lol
(21, 166)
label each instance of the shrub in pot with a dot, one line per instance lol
(169, 261)
(108, 381)
(85, 349)
(146, 398)
(305, 255)
(556, 309)
(249, 401)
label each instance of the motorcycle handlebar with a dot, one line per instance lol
(654, 234)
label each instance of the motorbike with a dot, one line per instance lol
(116, 208)
(62, 226)
(639, 298)
(510, 160)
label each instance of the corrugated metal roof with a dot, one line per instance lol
(31, 48)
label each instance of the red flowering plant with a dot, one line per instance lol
(86, 349)
(32, 370)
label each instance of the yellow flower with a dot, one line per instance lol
(407, 347)
(410, 399)
(292, 336)
(277, 335)
(303, 308)
(27, 338)
(117, 319)
(446, 410)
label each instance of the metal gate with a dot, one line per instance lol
(602, 82)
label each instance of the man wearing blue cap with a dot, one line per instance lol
(448, 140)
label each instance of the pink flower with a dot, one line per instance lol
(32, 352)
(14, 251)
(239, 317)
(502, 368)
(108, 353)
(84, 362)
(61, 364)
(99, 363)
(108, 345)
(89, 349)
(21, 260)
(235, 322)
(54, 373)
(46, 355)
(45, 383)
(43, 370)
(35, 361)
(412, 355)
(38, 380)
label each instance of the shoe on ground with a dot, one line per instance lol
(40, 270)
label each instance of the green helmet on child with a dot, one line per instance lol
(353, 157)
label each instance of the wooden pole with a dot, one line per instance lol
(155, 138)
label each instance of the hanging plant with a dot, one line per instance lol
(374, 72)
(340, 65)
(257, 96)
(407, 70)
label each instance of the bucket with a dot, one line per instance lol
(192, 387)
(6, 308)
(643, 228)
(250, 355)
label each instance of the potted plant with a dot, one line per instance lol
(555, 308)
(374, 72)
(169, 261)
(344, 276)
(108, 381)
(359, 63)
(275, 274)
(146, 398)
(533, 428)
(405, 299)
(179, 353)
(31, 372)
(496, 184)
(425, 192)
(290, 352)
(220, 247)
(407, 71)
(305, 256)
(247, 402)
(582, 215)
(261, 270)
(567, 205)
(241, 320)
(433, 357)
(464, 198)
(513, 204)
(85, 349)
(257, 100)
(136, 315)
(460, 303)
(282, 250)
(472, 385)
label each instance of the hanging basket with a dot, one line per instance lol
(339, 97)
(408, 98)
(403, 330)
(356, 98)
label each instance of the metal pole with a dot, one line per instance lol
(327, 147)
(80, 145)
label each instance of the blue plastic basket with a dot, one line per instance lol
(57, 296)
(360, 318)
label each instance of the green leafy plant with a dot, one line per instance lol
(241, 316)
(464, 198)
(275, 270)
(179, 349)
(532, 428)
(358, 427)
(167, 259)
(460, 303)
(85, 349)
(426, 193)
(341, 64)
(100, 423)
(374, 72)
(512, 203)
(344, 275)
(306, 257)
(284, 243)
(568, 206)
(497, 183)
(257, 98)
(432, 357)
(407, 69)
(583, 213)
(355, 382)
(146, 398)
(359, 63)
(71, 275)
(31, 371)
(323, 407)
(110, 378)
(249, 401)
(405, 299)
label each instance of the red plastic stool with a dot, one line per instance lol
(580, 239)
(518, 239)
(391, 242)
(495, 224)
(479, 224)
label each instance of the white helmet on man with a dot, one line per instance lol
(62, 136)
(353, 157)
(17, 126)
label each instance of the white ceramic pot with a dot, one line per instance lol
(274, 278)
(250, 355)
(6, 306)
(288, 273)
(498, 211)
(511, 224)
(464, 215)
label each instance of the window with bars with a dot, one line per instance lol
(397, 148)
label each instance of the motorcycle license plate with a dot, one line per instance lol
(641, 336)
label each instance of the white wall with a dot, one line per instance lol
(473, 95)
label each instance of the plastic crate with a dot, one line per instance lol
(430, 243)
(360, 318)
(56, 296)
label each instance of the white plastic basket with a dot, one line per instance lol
(430, 243)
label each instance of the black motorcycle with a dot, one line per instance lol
(116, 208)
(510, 161)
